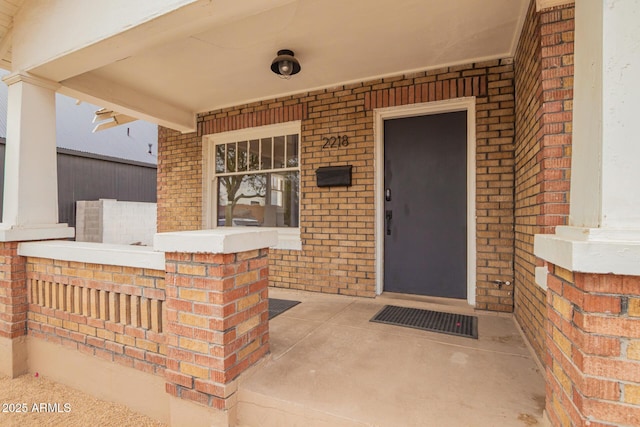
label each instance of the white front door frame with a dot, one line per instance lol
(467, 104)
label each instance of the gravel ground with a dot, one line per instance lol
(66, 406)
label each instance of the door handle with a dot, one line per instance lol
(388, 215)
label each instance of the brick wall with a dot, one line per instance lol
(593, 357)
(217, 315)
(544, 94)
(179, 205)
(13, 292)
(338, 224)
(111, 312)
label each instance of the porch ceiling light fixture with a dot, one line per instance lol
(285, 65)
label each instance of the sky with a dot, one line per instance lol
(74, 126)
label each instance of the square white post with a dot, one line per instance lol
(30, 204)
(603, 235)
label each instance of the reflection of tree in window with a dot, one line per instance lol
(261, 196)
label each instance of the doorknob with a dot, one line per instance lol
(388, 215)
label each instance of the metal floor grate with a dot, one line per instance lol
(435, 321)
(279, 306)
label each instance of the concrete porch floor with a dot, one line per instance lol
(330, 366)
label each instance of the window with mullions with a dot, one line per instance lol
(257, 181)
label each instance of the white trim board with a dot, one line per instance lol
(467, 104)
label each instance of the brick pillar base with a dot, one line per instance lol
(13, 311)
(593, 349)
(217, 313)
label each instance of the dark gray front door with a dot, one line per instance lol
(425, 246)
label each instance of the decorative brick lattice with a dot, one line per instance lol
(112, 312)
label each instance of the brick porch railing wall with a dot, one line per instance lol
(198, 323)
(111, 312)
(593, 339)
(217, 322)
(13, 292)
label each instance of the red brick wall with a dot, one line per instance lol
(544, 81)
(212, 328)
(13, 292)
(557, 27)
(111, 312)
(593, 357)
(338, 224)
(217, 315)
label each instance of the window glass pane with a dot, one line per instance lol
(231, 157)
(242, 156)
(283, 196)
(219, 158)
(278, 152)
(292, 151)
(258, 196)
(259, 200)
(290, 199)
(254, 155)
(265, 158)
(241, 200)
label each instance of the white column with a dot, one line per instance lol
(30, 204)
(606, 148)
(604, 231)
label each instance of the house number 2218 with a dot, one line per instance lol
(335, 141)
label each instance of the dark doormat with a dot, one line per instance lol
(435, 321)
(279, 306)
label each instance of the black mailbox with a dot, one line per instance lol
(331, 176)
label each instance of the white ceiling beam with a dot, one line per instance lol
(181, 23)
(117, 120)
(96, 90)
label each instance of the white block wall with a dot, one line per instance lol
(111, 221)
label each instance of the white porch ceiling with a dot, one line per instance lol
(189, 68)
(8, 9)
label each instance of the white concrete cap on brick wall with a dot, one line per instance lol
(94, 253)
(218, 241)
(9, 233)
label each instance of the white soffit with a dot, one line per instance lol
(336, 43)
(8, 9)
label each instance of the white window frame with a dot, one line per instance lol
(288, 237)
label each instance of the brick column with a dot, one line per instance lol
(217, 313)
(593, 356)
(13, 311)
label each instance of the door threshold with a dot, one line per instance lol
(394, 297)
